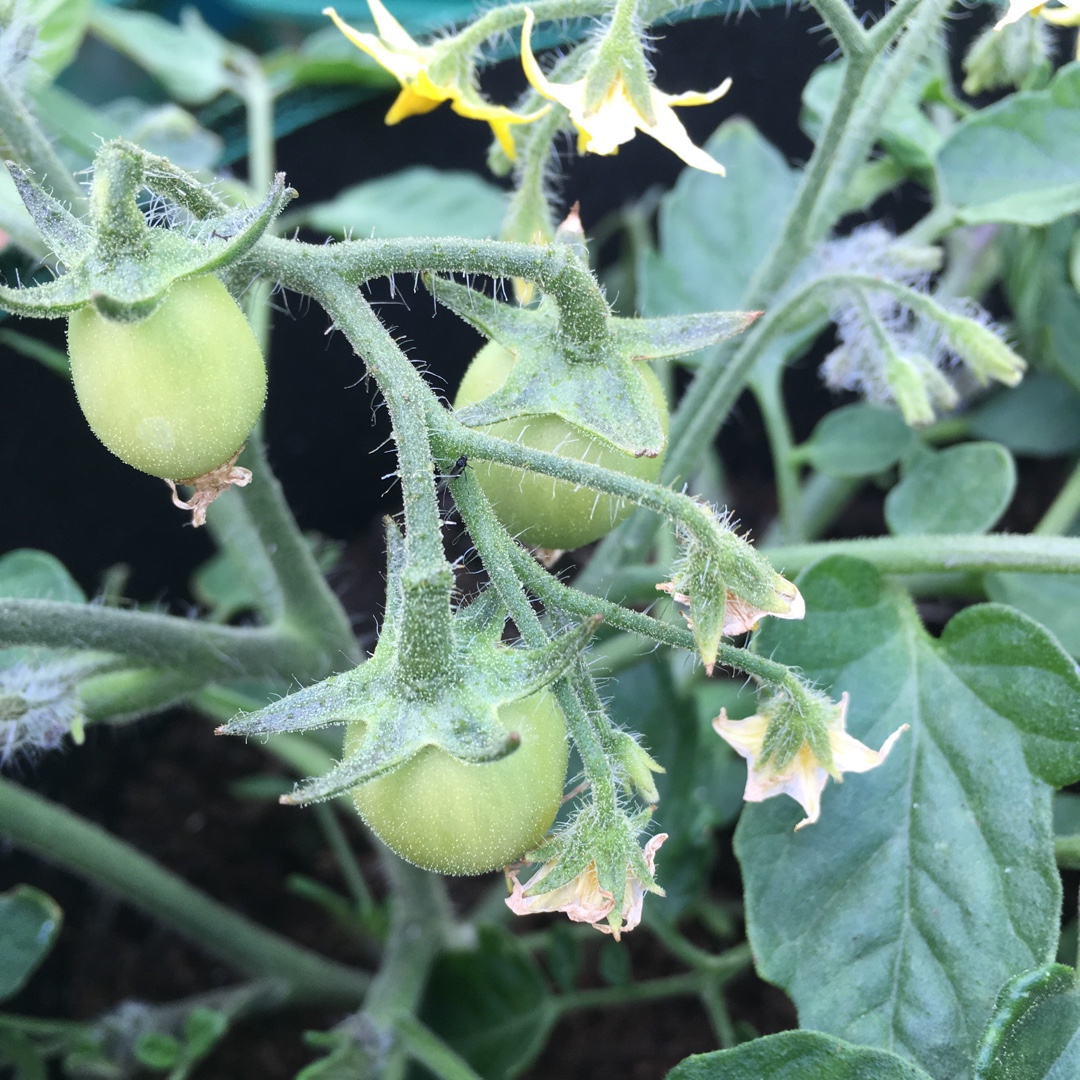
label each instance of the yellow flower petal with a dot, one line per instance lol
(404, 60)
(1068, 14)
(616, 120)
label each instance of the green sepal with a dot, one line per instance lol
(600, 391)
(405, 706)
(67, 236)
(119, 262)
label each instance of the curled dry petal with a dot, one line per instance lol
(582, 899)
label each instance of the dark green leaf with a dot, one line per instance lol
(1018, 670)
(797, 1055)
(1034, 1033)
(28, 574)
(1050, 599)
(419, 201)
(857, 440)
(29, 923)
(929, 881)
(715, 231)
(202, 1031)
(962, 489)
(1041, 417)
(1018, 160)
(489, 1004)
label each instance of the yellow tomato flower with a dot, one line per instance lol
(804, 776)
(1068, 14)
(583, 900)
(602, 129)
(412, 65)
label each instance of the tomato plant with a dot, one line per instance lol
(457, 818)
(538, 509)
(177, 393)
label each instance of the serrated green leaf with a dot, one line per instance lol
(29, 923)
(797, 1055)
(857, 440)
(962, 489)
(419, 201)
(1018, 160)
(1034, 1033)
(930, 881)
(28, 574)
(1041, 417)
(490, 1004)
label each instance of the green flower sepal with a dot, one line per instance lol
(409, 696)
(118, 261)
(728, 587)
(597, 387)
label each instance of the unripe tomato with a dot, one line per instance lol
(176, 394)
(537, 509)
(454, 818)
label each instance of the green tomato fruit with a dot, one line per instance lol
(455, 818)
(538, 510)
(177, 393)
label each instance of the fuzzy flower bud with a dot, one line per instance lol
(1004, 56)
(983, 351)
(637, 765)
(39, 703)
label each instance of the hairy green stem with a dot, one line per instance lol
(685, 985)
(204, 650)
(769, 394)
(420, 927)
(496, 548)
(421, 1044)
(308, 603)
(35, 824)
(554, 267)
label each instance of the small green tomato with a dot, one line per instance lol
(177, 393)
(455, 818)
(537, 509)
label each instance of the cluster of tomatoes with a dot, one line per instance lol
(177, 393)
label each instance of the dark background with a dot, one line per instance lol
(61, 491)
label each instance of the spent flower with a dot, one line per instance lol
(795, 744)
(1065, 13)
(429, 75)
(608, 116)
(583, 898)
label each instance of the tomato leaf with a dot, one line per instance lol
(1018, 160)
(1035, 1030)
(29, 924)
(962, 489)
(797, 1055)
(857, 440)
(490, 1004)
(931, 880)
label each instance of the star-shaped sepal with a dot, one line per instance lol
(117, 260)
(600, 388)
(395, 711)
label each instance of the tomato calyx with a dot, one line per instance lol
(407, 704)
(117, 261)
(210, 486)
(599, 388)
